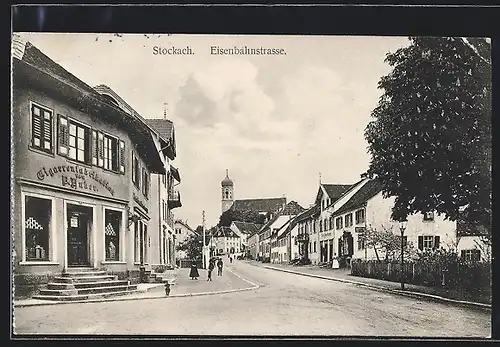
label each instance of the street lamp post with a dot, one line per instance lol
(402, 228)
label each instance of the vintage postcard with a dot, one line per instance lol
(239, 185)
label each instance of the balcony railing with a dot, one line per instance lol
(174, 199)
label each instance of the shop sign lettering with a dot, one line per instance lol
(75, 177)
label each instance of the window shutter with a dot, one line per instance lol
(36, 127)
(436, 242)
(462, 254)
(421, 243)
(63, 135)
(122, 156)
(95, 147)
(47, 130)
(100, 150)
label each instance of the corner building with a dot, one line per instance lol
(81, 164)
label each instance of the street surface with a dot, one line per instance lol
(286, 304)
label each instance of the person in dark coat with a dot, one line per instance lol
(211, 266)
(220, 264)
(193, 273)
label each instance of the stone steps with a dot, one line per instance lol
(85, 291)
(85, 296)
(83, 283)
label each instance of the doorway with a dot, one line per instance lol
(79, 220)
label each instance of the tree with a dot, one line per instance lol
(430, 142)
(385, 242)
(192, 246)
(230, 216)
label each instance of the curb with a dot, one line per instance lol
(388, 290)
(48, 303)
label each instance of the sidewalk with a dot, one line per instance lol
(343, 275)
(183, 287)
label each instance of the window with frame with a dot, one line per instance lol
(429, 216)
(428, 243)
(339, 223)
(41, 129)
(74, 140)
(320, 226)
(348, 220)
(360, 216)
(361, 241)
(112, 222)
(470, 254)
(38, 212)
(79, 142)
(136, 171)
(314, 246)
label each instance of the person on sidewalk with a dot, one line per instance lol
(211, 266)
(193, 273)
(220, 264)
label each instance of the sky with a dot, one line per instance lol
(275, 122)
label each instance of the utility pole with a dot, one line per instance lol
(203, 248)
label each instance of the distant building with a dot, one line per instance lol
(227, 241)
(261, 206)
(244, 230)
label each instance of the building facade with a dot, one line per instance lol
(226, 241)
(367, 210)
(82, 166)
(165, 196)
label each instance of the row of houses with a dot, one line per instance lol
(336, 226)
(93, 181)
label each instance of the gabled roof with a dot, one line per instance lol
(365, 193)
(165, 128)
(33, 69)
(334, 191)
(282, 231)
(185, 225)
(225, 232)
(292, 209)
(309, 213)
(245, 227)
(259, 205)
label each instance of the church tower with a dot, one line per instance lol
(227, 192)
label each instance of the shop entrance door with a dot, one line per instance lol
(79, 221)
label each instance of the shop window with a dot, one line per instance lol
(136, 241)
(38, 213)
(112, 222)
(41, 129)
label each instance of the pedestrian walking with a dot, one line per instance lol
(211, 266)
(193, 273)
(220, 264)
(230, 259)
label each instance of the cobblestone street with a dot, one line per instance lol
(284, 304)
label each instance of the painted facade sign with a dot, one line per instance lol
(325, 236)
(76, 177)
